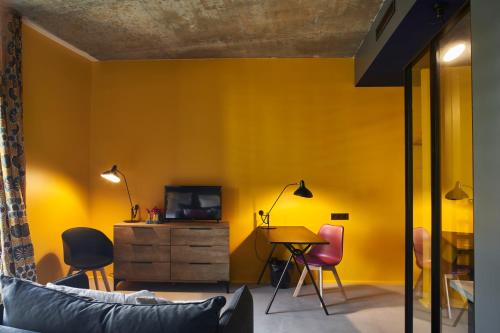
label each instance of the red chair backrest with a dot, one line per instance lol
(420, 235)
(334, 251)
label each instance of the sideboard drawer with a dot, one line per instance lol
(142, 252)
(200, 253)
(200, 236)
(142, 271)
(142, 235)
(200, 272)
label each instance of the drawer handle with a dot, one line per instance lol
(141, 262)
(200, 263)
(200, 245)
(200, 228)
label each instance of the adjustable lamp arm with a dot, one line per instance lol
(126, 185)
(265, 217)
(133, 208)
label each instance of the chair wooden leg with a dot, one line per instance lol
(71, 269)
(446, 277)
(419, 281)
(105, 279)
(300, 282)
(320, 277)
(95, 280)
(337, 278)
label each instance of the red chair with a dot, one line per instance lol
(421, 236)
(325, 257)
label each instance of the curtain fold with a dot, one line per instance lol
(16, 249)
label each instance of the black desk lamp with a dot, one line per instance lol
(457, 192)
(301, 191)
(113, 175)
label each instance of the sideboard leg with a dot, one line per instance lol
(227, 285)
(115, 283)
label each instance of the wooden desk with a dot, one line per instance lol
(289, 237)
(466, 290)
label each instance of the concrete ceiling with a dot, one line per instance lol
(162, 29)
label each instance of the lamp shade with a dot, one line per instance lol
(111, 175)
(456, 193)
(303, 191)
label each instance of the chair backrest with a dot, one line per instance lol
(334, 251)
(85, 241)
(420, 236)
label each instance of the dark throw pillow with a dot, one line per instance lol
(34, 307)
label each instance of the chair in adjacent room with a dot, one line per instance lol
(421, 236)
(87, 249)
(325, 257)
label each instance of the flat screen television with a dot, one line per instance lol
(193, 203)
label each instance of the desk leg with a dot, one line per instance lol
(279, 283)
(298, 269)
(266, 264)
(314, 283)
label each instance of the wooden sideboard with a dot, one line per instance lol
(171, 252)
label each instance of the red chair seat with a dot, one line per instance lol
(320, 261)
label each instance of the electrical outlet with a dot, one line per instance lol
(340, 216)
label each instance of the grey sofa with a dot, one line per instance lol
(236, 317)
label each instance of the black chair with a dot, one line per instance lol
(87, 249)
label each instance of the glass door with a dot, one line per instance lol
(439, 189)
(421, 228)
(457, 200)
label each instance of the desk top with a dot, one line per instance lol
(292, 235)
(464, 288)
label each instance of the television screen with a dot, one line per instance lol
(193, 203)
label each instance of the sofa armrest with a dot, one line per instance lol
(238, 315)
(79, 280)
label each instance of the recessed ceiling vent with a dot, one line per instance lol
(385, 19)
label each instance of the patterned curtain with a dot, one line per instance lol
(16, 249)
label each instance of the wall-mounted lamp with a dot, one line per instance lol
(457, 192)
(301, 191)
(113, 175)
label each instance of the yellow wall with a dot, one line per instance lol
(249, 125)
(253, 126)
(456, 141)
(56, 123)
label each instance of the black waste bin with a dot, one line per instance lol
(276, 267)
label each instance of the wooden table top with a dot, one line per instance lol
(464, 288)
(292, 235)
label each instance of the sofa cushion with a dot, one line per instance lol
(139, 297)
(34, 307)
(6, 329)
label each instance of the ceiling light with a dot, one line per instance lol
(453, 52)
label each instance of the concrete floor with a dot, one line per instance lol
(369, 308)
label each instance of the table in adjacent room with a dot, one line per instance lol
(297, 240)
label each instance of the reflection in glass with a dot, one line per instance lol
(457, 247)
(421, 143)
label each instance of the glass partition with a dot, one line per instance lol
(422, 222)
(457, 201)
(440, 196)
